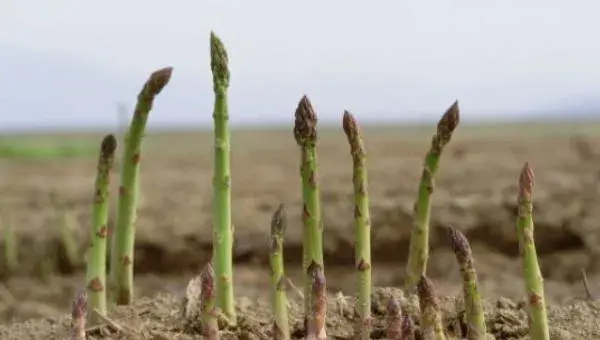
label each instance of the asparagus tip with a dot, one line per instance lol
(459, 244)
(207, 279)
(393, 308)
(526, 180)
(305, 125)
(449, 120)
(407, 327)
(425, 289)
(219, 60)
(158, 80)
(78, 315)
(109, 145)
(349, 124)
(79, 305)
(278, 221)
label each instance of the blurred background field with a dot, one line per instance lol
(475, 192)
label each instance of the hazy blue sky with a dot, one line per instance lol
(70, 62)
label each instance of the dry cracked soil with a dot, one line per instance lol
(475, 192)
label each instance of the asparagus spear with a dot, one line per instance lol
(419, 239)
(408, 329)
(431, 320)
(281, 329)
(78, 316)
(96, 266)
(362, 229)
(315, 325)
(534, 283)
(476, 329)
(124, 237)
(394, 320)
(223, 229)
(305, 132)
(210, 325)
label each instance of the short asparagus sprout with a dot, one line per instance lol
(305, 132)
(362, 226)
(124, 237)
(431, 319)
(96, 265)
(315, 325)
(78, 316)
(476, 329)
(534, 282)
(419, 240)
(281, 329)
(408, 328)
(394, 320)
(210, 324)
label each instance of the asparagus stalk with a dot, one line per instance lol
(408, 330)
(305, 132)
(96, 266)
(431, 320)
(315, 324)
(419, 239)
(124, 237)
(362, 226)
(11, 247)
(281, 328)
(78, 316)
(394, 320)
(210, 325)
(476, 329)
(534, 283)
(223, 228)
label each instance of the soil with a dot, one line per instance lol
(475, 192)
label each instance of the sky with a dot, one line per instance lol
(71, 63)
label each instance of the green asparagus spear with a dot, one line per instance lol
(419, 239)
(223, 228)
(473, 306)
(305, 132)
(281, 328)
(362, 229)
(431, 320)
(96, 266)
(534, 283)
(124, 237)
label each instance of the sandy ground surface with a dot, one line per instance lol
(475, 192)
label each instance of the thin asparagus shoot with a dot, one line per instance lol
(124, 233)
(281, 328)
(476, 329)
(305, 133)
(431, 319)
(419, 239)
(78, 316)
(96, 265)
(394, 320)
(362, 226)
(222, 225)
(408, 329)
(315, 325)
(210, 325)
(534, 283)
